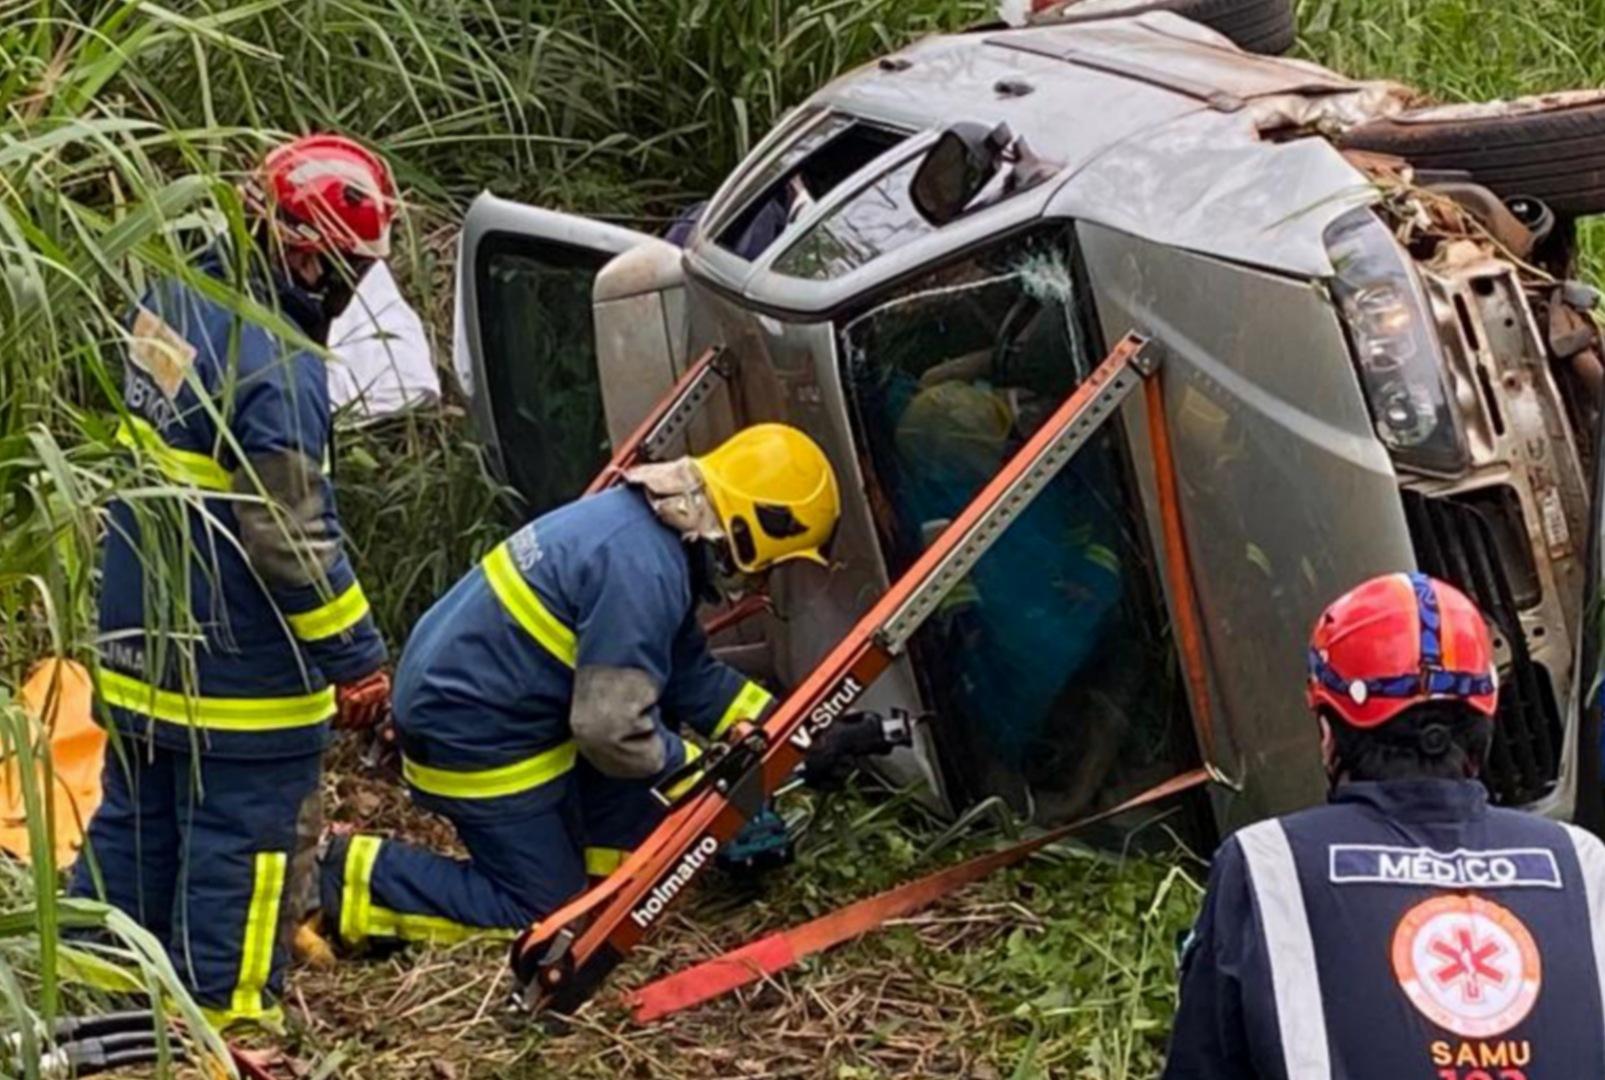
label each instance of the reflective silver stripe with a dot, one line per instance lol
(1591, 857)
(1300, 1016)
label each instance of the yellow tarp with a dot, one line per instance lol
(77, 748)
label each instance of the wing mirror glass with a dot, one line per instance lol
(963, 160)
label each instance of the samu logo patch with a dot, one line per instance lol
(1502, 868)
(1467, 964)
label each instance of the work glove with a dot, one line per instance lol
(362, 704)
(855, 735)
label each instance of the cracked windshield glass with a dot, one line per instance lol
(1051, 667)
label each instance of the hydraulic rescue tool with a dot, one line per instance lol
(560, 961)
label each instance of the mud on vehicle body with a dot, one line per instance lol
(1371, 363)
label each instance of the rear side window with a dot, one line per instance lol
(1051, 666)
(878, 220)
(820, 158)
(534, 310)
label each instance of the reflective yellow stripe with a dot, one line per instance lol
(355, 896)
(335, 617)
(223, 1019)
(179, 466)
(430, 929)
(752, 700)
(526, 608)
(602, 861)
(261, 932)
(532, 772)
(361, 918)
(692, 753)
(219, 714)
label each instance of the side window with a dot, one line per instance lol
(822, 157)
(539, 342)
(878, 220)
(1051, 668)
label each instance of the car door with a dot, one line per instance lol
(526, 342)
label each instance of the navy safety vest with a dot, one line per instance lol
(1407, 930)
(483, 690)
(208, 392)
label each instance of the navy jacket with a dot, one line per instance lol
(484, 687)
(1405, 930)
(236, 421)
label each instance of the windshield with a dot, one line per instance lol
(1051, 668)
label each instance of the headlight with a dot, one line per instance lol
(1395, 345)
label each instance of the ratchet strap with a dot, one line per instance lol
(561, 960)
(778, 951)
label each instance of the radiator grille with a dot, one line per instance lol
(1456, 541)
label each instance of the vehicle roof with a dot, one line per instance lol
(1154, 120)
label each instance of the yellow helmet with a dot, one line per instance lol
(775, 494)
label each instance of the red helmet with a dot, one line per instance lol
(1396, 641)
(327, 193)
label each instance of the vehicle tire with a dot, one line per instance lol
(1259, 26)
(1550, 147)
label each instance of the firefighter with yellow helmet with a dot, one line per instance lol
(542, 698)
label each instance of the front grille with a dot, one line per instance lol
(1457, 542)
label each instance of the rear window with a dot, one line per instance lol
(815, 163)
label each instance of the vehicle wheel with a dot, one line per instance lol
(1259, 26)
(1551, 147)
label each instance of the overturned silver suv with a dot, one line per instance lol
(1374, 359)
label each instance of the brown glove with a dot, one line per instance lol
(363, 703)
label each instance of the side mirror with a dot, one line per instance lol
(963, 161)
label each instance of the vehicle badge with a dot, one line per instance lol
(1467, 964)
(1358, 691)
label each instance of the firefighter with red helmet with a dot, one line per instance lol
(1407, 928)
(222, 695)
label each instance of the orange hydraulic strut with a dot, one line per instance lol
(668, 417)
(561, 960)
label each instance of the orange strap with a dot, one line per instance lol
(779, 951)
(1185, 619)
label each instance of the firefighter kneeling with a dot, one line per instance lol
(1407, 929)
(542, 698)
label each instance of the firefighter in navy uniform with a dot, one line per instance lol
(542, 698)
(222, 699)
(1407, 929)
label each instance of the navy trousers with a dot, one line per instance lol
(523, 863)
(196, 849)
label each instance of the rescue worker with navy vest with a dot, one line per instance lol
(222, 698)
(542, 698)
(1407, 929)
